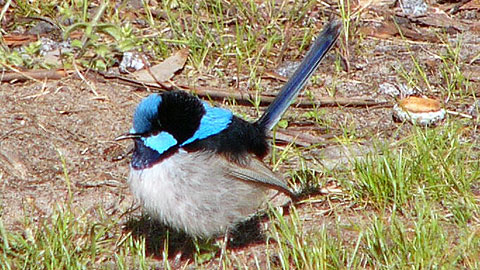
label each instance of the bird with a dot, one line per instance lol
(199, 168)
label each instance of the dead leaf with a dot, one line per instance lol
(384, 30)
(388, 29)
(373, 3)
(53, 58)
(165, 70)
(437, 18)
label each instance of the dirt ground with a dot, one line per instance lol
(45, 123)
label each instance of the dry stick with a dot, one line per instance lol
(217, 93)
(464, 115)
(301, 102)
(21, 75)
(35, 75)
(4, 10)
(79, 73)
(3, 44)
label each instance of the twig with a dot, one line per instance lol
(27, 76)
(301, 102)
(83, 79)
(217, 93)
(460, 114)
(4, 10)
(35, 75)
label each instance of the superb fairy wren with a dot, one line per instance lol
(199, 168)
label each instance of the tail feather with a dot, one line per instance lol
(290, 90)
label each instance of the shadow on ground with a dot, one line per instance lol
(158, 236)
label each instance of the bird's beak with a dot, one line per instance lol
(128, 136)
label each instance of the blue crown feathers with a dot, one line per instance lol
(145, 112)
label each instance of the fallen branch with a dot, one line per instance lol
(301, 101)
(219, 93)
(32, 75)
(211, 92)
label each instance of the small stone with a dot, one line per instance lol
(401, 90)
(388, 89)
(474, 109)
(414, 7)
(131, 62)
(287, 69)
(406, 90)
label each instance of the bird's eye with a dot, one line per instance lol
(152, 133)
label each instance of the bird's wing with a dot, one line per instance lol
(256, 171)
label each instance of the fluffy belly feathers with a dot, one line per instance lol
(188, 191)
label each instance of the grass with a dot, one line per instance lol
(69, 240)
(412, 203)
(421, 213)
(431, 161)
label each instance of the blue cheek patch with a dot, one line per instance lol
(160, 142)
(214, 121)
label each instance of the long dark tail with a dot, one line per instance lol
(290, 90)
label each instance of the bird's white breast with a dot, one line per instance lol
(191, 192)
